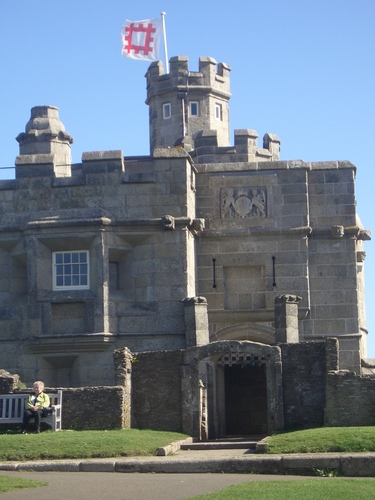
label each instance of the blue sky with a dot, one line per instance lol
(302, 69)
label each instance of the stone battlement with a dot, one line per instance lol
(211, 75)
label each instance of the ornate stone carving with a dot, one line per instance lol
(361, 256)
(196, 226)
(337, 231)
(168, 222)
(291, 299)
(194, 300)
(243, 203)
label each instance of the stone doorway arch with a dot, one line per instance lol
(203, 385)
(253, 332)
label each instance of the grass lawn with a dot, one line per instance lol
(308, 489)
(324, 440)
(14, 483)
(84, 444)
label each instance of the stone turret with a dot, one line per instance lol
(191, 109)
(183, 103)
(45, 141)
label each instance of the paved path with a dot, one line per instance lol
(99, 485)
(183, 474)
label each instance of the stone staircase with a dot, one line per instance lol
(248, 443)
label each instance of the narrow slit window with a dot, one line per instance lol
(194, 108)
(218, 112)
(166, 110)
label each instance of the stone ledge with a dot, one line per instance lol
(346, 464)
(73, 343)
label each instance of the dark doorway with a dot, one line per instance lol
(246, 400)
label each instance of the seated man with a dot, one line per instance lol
(35, 406)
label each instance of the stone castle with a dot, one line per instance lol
(200, 245)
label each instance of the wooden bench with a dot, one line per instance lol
(12, 407)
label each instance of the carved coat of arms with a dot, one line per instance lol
(243, 203)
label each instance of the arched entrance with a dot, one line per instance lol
(245, 393)
(238, 389)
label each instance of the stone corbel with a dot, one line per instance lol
(168, 222)
(364, 234)
(361, 256)
(290, 299)
(337, 231)
(196, 226)
(194, 300)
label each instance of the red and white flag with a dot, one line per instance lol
(140, 39)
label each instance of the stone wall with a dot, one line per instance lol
(123, 359)
(8, 382)
(156, 394)
(304, 378)
(350, 399)
(92, 408)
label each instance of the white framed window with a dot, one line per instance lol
(194, 108)
(70, 270)
(218, 112)
(166, 110)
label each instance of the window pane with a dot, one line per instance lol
(166, 110)
(83, 280)
(66, 258)
(75, 257)
(83, 257)
(75, 280)
(67, 269)
(59, 258)
(59, 270)
(59, 281)
(194, 109)
(83, 268)
(67, 281)
(75, 269)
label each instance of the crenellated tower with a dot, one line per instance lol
(183, 103)
(191, 109)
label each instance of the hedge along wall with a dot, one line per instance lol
(350, 400)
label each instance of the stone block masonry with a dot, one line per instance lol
(156, 390)
(350, 399)
(304, 383)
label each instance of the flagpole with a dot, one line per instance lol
(165, 43)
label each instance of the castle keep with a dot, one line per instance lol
(192, 247)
